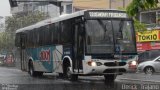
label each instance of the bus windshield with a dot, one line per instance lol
(110, 36)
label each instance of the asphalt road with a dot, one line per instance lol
(14, 79)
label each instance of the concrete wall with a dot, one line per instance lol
(89, 4)
(104, 4)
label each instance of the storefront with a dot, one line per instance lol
(151, 18)
(148, 40)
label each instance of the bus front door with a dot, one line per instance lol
(78, 48)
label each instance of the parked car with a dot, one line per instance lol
(1, 62)
(2, 57)
(9, 60)
(148, 55)
(150, 67)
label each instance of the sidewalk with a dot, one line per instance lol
(140, 77)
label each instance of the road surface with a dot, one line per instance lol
(14, 79)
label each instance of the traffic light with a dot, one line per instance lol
(13, 3)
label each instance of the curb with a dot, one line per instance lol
(140, 80)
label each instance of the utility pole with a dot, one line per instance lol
(123, 3)
(110, 6)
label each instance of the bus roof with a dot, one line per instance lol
(51, 20)
(57, 19)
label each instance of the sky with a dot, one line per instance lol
(5, 8)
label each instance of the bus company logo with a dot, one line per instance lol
(45, 55)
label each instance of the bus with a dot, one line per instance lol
(84, 43)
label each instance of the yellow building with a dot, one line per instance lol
(102, 4)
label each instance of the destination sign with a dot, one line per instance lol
(105, 14)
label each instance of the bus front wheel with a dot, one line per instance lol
(110, 77)
(69, 75)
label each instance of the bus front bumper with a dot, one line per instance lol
(102, 70)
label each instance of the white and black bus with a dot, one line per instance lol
(88, 42)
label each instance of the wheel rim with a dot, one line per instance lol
(69, 72)
(149, 71)
(31, 71)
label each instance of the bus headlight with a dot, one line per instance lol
(133, 63)
(91, 63)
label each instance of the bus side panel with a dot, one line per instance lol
(21, 59)
(57, 58)
(24, 60)
(17, 58)
(42, 58)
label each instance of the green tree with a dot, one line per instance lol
(139, 27)
(5, 42)
(25, 19)
(15, 22)
(137, 5)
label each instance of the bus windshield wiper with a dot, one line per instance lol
(104, 27)
(120, 29)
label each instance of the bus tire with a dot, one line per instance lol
(69, 75)
(39, 73)
(110, 77)
(60, 75)
(31, 70)
(74, 77)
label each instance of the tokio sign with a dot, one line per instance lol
(147, 36)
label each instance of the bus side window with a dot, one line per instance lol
(23, 40)
(66, 32)
(88, 40)
(18, 40)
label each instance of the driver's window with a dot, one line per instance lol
(126, 30)
(158, 60)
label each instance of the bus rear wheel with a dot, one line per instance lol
(31, 70)
(39, 73)
(110, 77)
